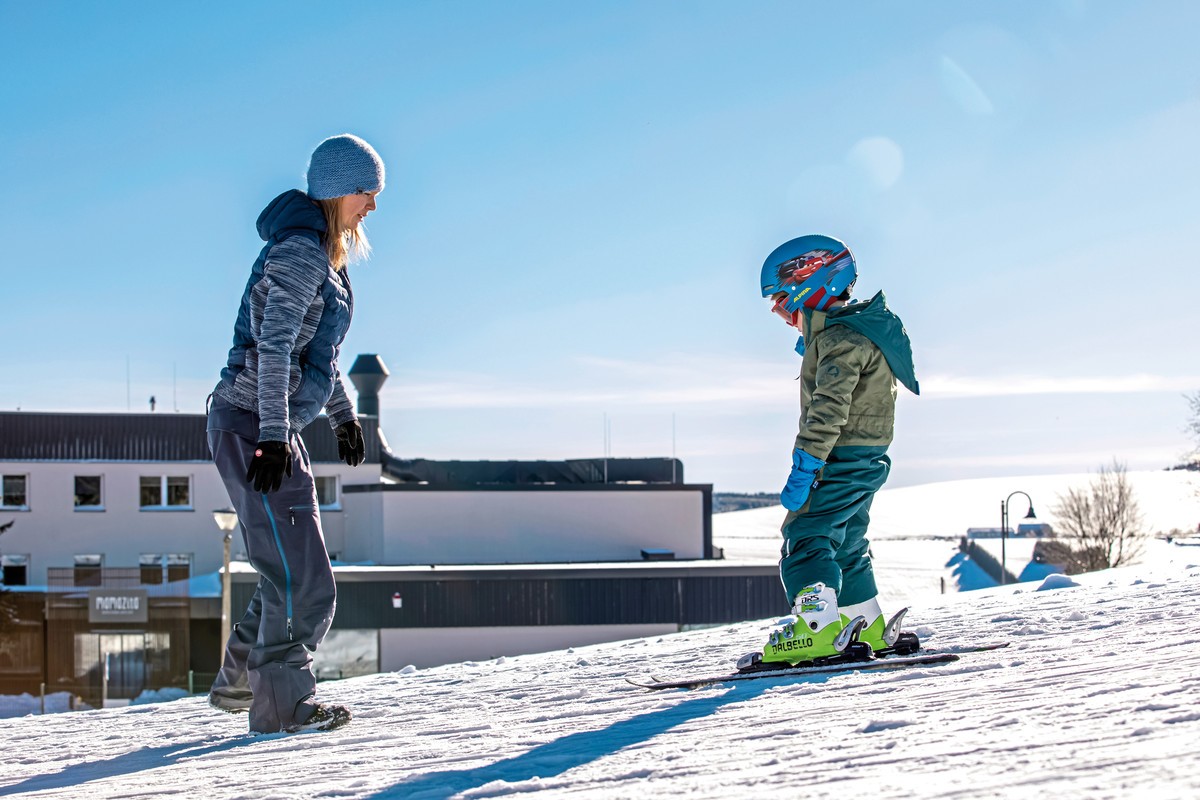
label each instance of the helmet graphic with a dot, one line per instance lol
(812, 271)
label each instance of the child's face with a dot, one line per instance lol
(779, 300)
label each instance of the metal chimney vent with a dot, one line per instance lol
(368, 375)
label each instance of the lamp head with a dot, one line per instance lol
(226, 518)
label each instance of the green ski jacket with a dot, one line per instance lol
(853, 356)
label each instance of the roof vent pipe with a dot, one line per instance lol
(368, 375)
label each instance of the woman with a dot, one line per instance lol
(282, 370)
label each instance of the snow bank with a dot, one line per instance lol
(22, 704)
(1056, 581)
(158, 696)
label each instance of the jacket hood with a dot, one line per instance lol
(874, 320)
(291, 212)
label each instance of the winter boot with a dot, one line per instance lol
(815, 632)
(231, 701)
(881, 633)
(323, 718)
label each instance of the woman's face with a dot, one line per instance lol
(355, 207)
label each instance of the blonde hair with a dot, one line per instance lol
(342, 245)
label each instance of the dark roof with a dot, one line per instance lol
(571, 471)
(81, 436)
(68, 436)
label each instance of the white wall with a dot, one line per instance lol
(52, 531)
(525, 526)
(396, 527)
(431, 647)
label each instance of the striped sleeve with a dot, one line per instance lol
(339, 408)
(294, 271)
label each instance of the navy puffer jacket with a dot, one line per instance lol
(293, 317)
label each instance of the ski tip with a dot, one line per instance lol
(646, 683)
(983, 648)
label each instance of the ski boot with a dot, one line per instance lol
(816, 634)
(884, 636)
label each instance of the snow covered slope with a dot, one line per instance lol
(1097, 697)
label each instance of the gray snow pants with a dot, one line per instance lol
(268, 662)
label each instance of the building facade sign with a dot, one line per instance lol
(118, 605)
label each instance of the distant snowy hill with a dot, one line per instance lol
(915, 531)
(1098, 696)
(1168, 500)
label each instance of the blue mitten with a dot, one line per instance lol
(801, 480)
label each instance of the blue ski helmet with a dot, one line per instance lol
(812, 271)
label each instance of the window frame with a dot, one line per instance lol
(14, 561)
(164, 493)
(83, 566)
(99, 506)
(3, 480)
(166, 567)
(151, 563)
(336, 505)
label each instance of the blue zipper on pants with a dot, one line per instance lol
(287, 572)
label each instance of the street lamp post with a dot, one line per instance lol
(1004, 531)
(227, 520)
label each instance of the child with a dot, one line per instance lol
(853, 355)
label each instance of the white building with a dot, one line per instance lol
(435, 560)
(127, 490)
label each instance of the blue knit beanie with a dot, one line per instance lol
(343, 165)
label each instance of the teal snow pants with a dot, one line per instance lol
(826, 540)
(267, 668)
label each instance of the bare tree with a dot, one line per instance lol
(1193, 424)
(1103, 521)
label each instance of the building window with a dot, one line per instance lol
(179, 566)
(161, 492)
(327, 492)
(88, 569)
(15, 488)
(87, 493)
(15, 570)
(151, 565)
(159, 567)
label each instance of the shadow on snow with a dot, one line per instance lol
(127, 763)
(573, 750)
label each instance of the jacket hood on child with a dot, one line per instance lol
(874, 320)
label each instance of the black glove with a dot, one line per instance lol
(272, 460)
(351, 447)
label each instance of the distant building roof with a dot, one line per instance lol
(81, 436)
(168, 437)
(570, 472)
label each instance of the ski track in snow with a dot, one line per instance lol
(1097, 697)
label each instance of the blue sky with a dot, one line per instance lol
(580, 197)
